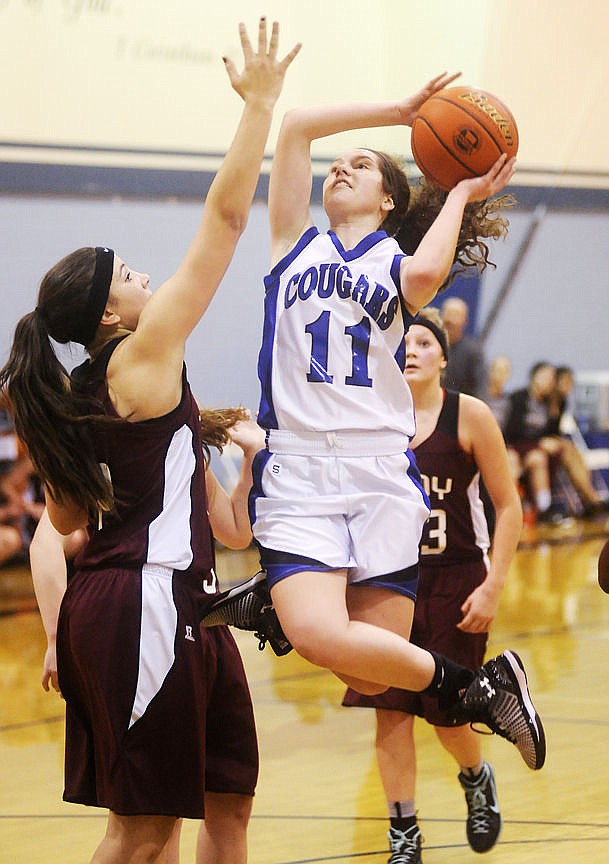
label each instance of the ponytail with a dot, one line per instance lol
(52, 421)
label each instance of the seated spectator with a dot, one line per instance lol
(21, 498)
(570, 456)
(531, 430)
(10, 539)
(465, 369)
(496, 395)
(526, 424)
(559, 397)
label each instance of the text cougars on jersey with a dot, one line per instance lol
(326, 279)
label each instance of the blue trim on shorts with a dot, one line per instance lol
(258, 466)
(403, 582)
(415, 476)
(278, 565)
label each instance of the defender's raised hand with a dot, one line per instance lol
(262, 75)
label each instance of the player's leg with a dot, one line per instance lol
(396, 759)
(222, 835)
(477, 778)
(231, 753)
(171, 850)
(312, 608)
(137, 839)
(380, 607)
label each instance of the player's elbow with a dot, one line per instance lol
(234, 220)
(423, 283)
(233, 536)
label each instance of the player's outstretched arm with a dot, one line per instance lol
(178, 304)
(291, 174)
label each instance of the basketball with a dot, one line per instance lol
(460, 132)
(603, 568)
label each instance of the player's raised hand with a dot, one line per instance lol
(489, 184)
(409, 107)
(262, 74)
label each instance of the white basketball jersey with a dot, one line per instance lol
(333, 353)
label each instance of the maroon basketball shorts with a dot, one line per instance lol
(145, 692)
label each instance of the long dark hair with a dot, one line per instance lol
(52, 418)
(417, 206)
(53, 421)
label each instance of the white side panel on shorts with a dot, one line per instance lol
(169, 548)
(157, 636)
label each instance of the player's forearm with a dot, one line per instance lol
(433, 258)
(322, 120)
(48, 568)
(508, 527)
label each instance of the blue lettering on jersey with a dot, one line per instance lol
(329, 278)
(343, 282)
(307, 283)
(290, 293)
(360, 291)
(384, 320)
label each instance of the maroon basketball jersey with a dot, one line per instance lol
(457, 530)
(158, 477)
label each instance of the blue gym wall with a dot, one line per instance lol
(556, 307)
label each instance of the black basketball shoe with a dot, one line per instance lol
(248, 606)
(499, 697)
(483, 814)
(405, 846)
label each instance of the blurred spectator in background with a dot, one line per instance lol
(532, 430)
(526, 425)
(21, 498)
(571, 457)
(465, 370)
(496, 396)
(564, 382)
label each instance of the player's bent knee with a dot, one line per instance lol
(366, 688)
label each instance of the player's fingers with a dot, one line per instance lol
(274, 42)
(231, 69)
(246, 45)
(494, 175)
(441, 81)
(505, 173)
(289, 57)
(498, 165)
(510, 166)
(262, 36)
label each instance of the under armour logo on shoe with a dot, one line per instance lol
(485, 684)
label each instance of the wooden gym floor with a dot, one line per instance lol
(319, 797)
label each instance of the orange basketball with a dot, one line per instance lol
(460, 132)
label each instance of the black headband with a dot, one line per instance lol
(437, 332)
(98, 295)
